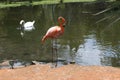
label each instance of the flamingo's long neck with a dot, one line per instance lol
(61, 25)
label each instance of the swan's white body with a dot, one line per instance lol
(28, 26)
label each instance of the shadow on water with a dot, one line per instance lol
(82, 41)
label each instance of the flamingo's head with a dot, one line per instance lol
(61, 21)
(22, 22)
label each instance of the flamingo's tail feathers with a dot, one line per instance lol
(43, 39)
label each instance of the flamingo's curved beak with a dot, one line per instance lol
(64, 24)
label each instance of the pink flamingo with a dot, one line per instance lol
(55, 32)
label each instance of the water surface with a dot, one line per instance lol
(84, 41)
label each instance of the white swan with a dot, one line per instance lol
(28, 26)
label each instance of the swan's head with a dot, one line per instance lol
(22, 22)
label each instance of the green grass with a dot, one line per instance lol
(3, 5)
(79, 0)
(46, 2)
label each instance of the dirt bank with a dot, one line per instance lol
(67, 72)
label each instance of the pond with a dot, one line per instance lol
(86, 40)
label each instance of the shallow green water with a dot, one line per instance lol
(84, 41)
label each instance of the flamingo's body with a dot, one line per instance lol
(53, 32)
(56, 31)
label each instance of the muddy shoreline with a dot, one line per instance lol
(66, 72)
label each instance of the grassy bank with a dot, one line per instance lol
(16, 4)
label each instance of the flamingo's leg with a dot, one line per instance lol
(54, 51)
(52, 42)
(56, 54)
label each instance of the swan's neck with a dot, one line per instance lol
(22, 22)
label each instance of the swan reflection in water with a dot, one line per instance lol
(26, 26)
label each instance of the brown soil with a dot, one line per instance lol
(67, 72)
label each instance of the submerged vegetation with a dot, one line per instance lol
(115, 9)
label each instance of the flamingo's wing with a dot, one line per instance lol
(53, 32)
